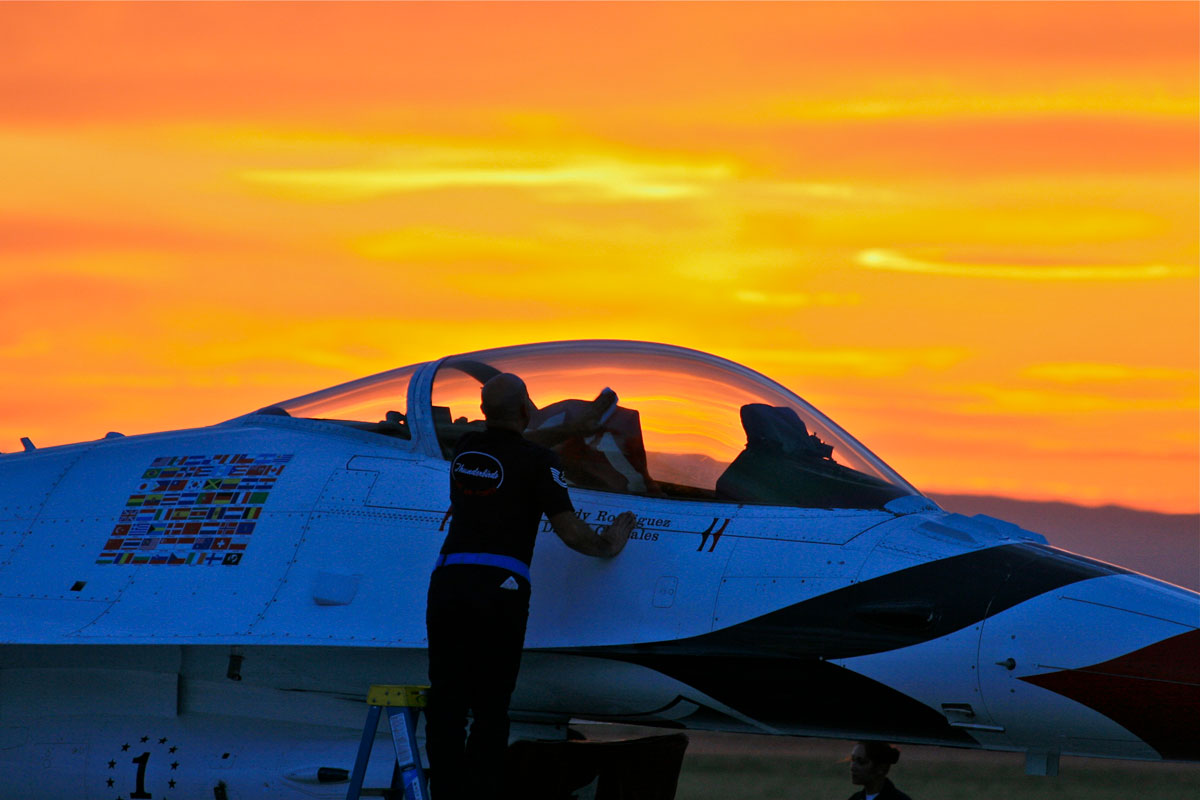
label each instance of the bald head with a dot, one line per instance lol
(505, 402)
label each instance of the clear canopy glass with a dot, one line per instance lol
(378, 403)
(683, 424)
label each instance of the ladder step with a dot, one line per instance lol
(393, 696)
(403, 703)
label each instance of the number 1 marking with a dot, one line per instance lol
(141, 793)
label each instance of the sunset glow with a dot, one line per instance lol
(967, 232)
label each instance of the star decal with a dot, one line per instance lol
(155, 747)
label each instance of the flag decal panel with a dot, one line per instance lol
(193, 510)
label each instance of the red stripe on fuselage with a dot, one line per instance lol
(1154, 693)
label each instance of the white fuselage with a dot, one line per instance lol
(703, 620)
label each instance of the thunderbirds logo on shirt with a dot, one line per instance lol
(194, 510)
(477, 473)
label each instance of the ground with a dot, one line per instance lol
(735, 767)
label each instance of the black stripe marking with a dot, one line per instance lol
(899, 609)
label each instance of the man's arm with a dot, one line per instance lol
(579, 536)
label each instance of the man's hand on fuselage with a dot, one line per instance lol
(581, 537)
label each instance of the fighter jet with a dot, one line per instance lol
(199, 613)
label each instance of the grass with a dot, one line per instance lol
(729, 767)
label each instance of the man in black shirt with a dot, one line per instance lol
(500, 486)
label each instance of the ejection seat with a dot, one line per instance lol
(611, 459)
(784, 464)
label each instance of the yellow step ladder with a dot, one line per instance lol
(403, 703)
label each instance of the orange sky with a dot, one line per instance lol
(966, 231)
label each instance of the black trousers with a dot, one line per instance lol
(476, 632)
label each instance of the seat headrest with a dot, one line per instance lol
(774, 428)
(777, 429)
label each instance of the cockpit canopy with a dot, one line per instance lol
(683, 424)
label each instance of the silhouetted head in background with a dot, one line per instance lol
(869, 764)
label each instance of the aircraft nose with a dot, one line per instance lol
(1116, 658)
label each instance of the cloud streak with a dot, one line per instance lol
(596, 179)
(1106, 373)
(889, 261)
(795, 299)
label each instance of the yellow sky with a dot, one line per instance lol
(965, 231)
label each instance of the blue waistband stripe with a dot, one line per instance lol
(514, 565)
